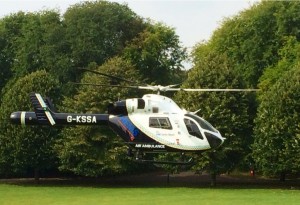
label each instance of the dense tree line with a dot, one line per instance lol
(258, 48)
(101, 35)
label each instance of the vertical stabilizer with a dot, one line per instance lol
(43, 112)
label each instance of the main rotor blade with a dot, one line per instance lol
(171, 86)
(107, 75)
(160, 88)
(153, 88)
(106, 85)
(212, 90)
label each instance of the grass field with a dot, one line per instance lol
(30, 194)
(151, 188)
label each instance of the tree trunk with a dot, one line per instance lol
(282, 176)
(168, 178)
(36, 175)
(213, 180)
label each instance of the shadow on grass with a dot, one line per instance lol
(160, 180)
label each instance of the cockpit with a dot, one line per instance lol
(203, 123)
(201, 129)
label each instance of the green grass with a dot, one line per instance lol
(60, 194)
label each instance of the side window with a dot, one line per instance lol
(153, 122)
(160, 122)
(165, 123)
(192, 128)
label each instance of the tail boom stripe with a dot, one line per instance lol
(50, 118)
(23, 118)
(44, 106)
(41, 101)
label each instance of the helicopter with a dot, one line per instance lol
(151, 124)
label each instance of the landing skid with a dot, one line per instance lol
(139, 158)
(189, 162)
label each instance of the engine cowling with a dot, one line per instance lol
(117, 108)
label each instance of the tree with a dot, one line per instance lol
(35, 41)
(10, 30)
(288, 19)
(228, 112)
(88, 32)
(54, 50)
(28, 43)
(261, 44)
(95, 150)
(99, 30)
(276, 136)
(24, 149)
(290, 56)
(252, 38)
(5, 72)
(157, 54)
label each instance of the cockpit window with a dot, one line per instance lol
(160, 122)
(203, 123)
(192, 128)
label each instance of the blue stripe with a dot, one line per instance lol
(129, 125)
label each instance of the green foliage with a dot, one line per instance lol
(290, 55)
(90, 33)
(252, 38)
(10, 29)
(261, 44)
(4, 61)
(99, 30)
(25, 148)
(54, 51)
(277, 143)
(29, 42)
(95, 151)
(275, 148)
(157, 54)
(228, 112)
(35, 41)
(288, 19)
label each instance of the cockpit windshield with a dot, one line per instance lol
(203, 123)
(192, 128)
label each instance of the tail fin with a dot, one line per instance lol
(43, 112)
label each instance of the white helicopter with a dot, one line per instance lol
(153, 123)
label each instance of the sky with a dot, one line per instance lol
(194, 20)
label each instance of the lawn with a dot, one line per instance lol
(23, 194)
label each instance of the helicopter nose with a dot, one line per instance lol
(213, 140)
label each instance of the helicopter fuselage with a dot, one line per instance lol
(153, 123)
(156, 123)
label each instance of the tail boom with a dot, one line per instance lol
(30, 118)
(43, 115)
